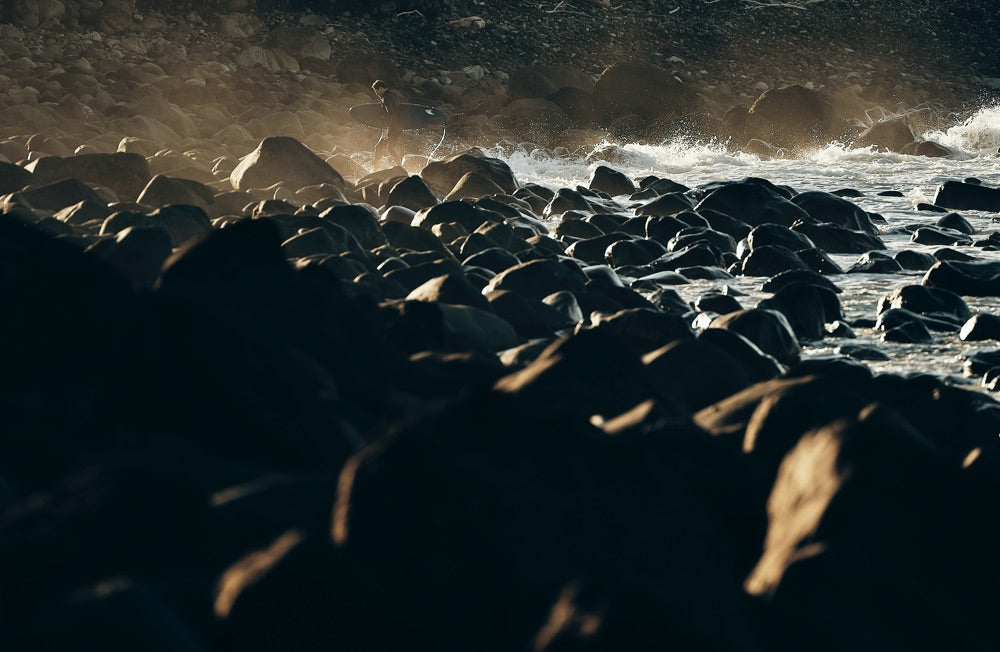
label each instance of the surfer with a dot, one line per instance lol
(388, 142)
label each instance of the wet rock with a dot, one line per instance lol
(769, 330)
(83, 212)
(790, 277)
(442, 176)
(790, 116)
(58, 195)
(927, 148)
(938, 303)
(965, 278)
(956, 222)
(411, 193)
(826, 207)
(807, 307)
(891, 134)
(465, 213)
(770, 260)
(14, 178)
(473, 185)
(538, 279)
(898, 325)
(914, 260)
(967, 196)
(694, 373)
(125, 174)
(164, 191)
(836, 239)
(930, 235)
(138, 252)
(360, 222)
(633, 252)
(981, 326)
(665, 205)
(531, 318)
(754, 202)
(611, 181)
(282, 159)
(875, 262)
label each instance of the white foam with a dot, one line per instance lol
(979, 135)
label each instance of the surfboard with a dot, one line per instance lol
(415, 116)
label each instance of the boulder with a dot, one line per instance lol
(442, 176)
(124, 173)
(473, 185)
(980, 279)
(769, 260)
(14, 177)
(790, 116)
(453, 289)
(835, 239)
(769, 330)
(283, 159)
(967, 196)
(164, 191)
(359, 221)
(411, 193)
(611, 181)
(890, 134)
(981, 326)
(138, 252)
(531, 318)
(754, 202)
(827, 207)
(58, 195)
(538, 278)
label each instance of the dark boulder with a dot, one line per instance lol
(790, 116)
(126, 174)
(14, 178)
(411, 193)
(611, 181)
(835, 239)
(283, 159)
(643, 329)
(807, 307)
(359, 221)
(890, 134)
(967, 196)
(58, 195)
(768, 329)
(163, 191)
(531, 318)
(753, 202)
(935, 235)
(875, 262)
(693, 373)
(442, 176)
(938, 303)
(769, 260)
(827, 207)
(539, 278)
(981, 326)
(981, 279)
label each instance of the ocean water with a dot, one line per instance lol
(974, 144)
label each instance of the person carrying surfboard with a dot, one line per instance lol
(388, 142)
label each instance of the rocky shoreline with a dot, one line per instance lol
(256, 397)
(230, 77)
